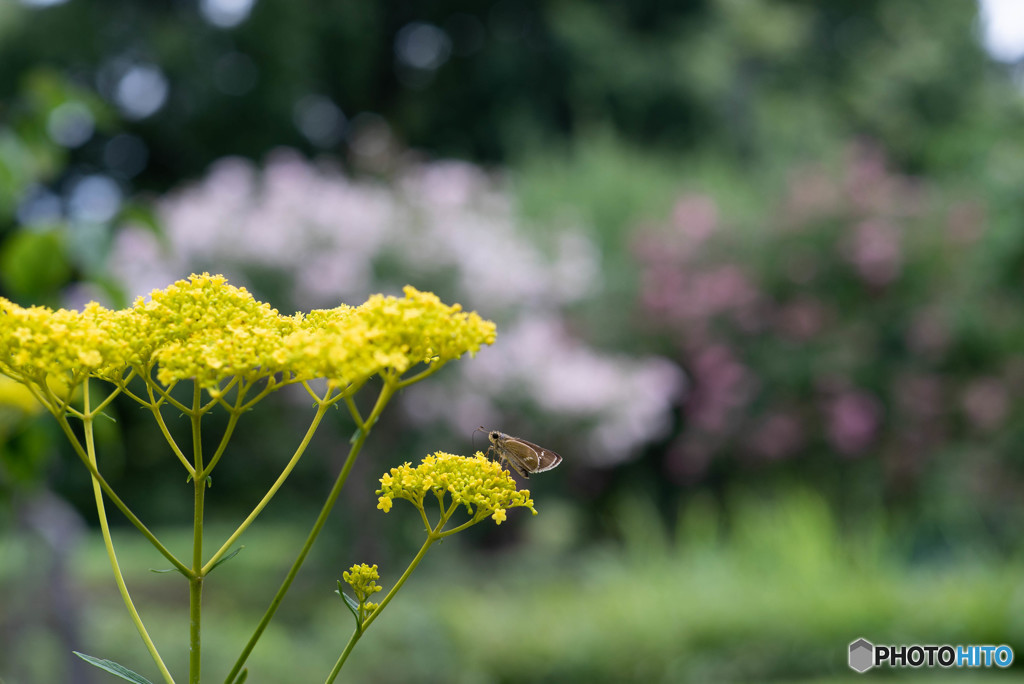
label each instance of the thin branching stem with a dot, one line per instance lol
(109, 544)
(387, 391)
(195, 584)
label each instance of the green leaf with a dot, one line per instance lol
(356, 435)
(242, 676)
(114, 669)
(352, 604)
(227, 558)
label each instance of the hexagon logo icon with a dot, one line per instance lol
(862, 655)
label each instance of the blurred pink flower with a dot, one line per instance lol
(688, 296)
(986, 402)
(919, 396)
(721, 385)
(875, 252)
(695, 218)
(853, 421)
(812, 195)
(801, 319)
(928, 335)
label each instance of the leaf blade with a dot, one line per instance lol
(114, 668)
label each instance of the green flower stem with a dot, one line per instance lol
(229, 430)
(157, 414)
(430, 370)
(108, 490)
(432, 536)
(195, 584)
(299, 451)
(354, 411)
(219, 397)
(110, 397)
(165, 394)
(109, 543)
(469, 523)
(387, 391)
(154, 407)
(272, 385)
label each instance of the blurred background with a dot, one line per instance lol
(757, 268)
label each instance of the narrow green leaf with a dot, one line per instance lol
(352, 604)
(114, 669)
(227, 557)
(161, 571)
(356, 435)
(242, 676)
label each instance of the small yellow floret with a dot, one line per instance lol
(363, 580)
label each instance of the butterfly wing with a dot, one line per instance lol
(546, 458)
(537, 458)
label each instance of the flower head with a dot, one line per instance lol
(37, 342)
(386, 334)
(363, 580)
(205, 330)
(478, 483)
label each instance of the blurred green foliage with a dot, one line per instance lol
(639, 118)
(777, 599)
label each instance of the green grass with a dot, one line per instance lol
(778, 599)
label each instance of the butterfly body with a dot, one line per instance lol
(524, 457)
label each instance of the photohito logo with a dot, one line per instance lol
(864, 655)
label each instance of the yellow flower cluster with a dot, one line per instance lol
(478, 483)
(363, 580)
(206, 330)
(346, 345)
(37, 342)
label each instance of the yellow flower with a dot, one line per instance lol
(385, 335)
(37, 342)
(478, 483)
(363, 580)
(204, 329)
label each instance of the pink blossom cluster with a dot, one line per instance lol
(826, 326)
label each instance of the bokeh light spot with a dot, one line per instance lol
(70, 124)
(320, 120)
(141, 91)
(225, 13)
(94, 199)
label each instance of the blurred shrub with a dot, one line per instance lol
(56, 217)
(488, 81)
(845, 335)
